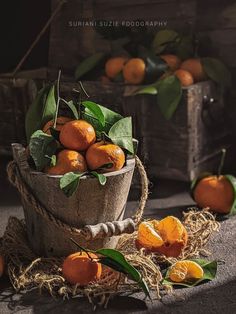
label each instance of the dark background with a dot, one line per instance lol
(20, 22)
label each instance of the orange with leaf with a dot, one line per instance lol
(167, 236)
(81, 268)
(216, 191)
(67, 161)
(105, 155)
(77, 135)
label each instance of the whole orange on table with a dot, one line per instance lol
(77, 135)
(215, 192)
(81, 268)
(167, 236)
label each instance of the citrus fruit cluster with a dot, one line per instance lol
(80, 150)
(188, 72)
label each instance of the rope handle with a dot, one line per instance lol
(88, 232)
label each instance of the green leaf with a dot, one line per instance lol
(72, 107)
(96, 111)
(101, 178)
(162, 39)
(110, 116)
(53, 160)
(232, 180)
(209, 270)
(185, 47)
(88, 64)
(169, 95)
(41, 111)
(121, 134)
(69, 183)
(117, 261)
(42, 147)
(150, 90)
(155, 68)
(217, 71)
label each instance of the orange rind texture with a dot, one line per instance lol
(102, 153)
(77, 135)
(214, 192)
(81, 269)
(68, 160)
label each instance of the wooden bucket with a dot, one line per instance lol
(92, 215)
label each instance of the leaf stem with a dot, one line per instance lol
(82, 249)
(83, 89)
(222, 161)
(58, 99)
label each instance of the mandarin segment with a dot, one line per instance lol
(102, 153)
(148, 237)
(77, 135)
(81, 268)
(68, 160)
(185, 270)
(171, 229)
(214, 192)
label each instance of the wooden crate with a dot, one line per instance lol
(190, 142)
(177, 149)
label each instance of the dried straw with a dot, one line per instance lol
(26, 270)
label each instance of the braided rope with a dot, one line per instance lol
(15, 178)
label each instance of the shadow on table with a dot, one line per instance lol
(41, 304)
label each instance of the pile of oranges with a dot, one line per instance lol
(81, 150)
(188, 72)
